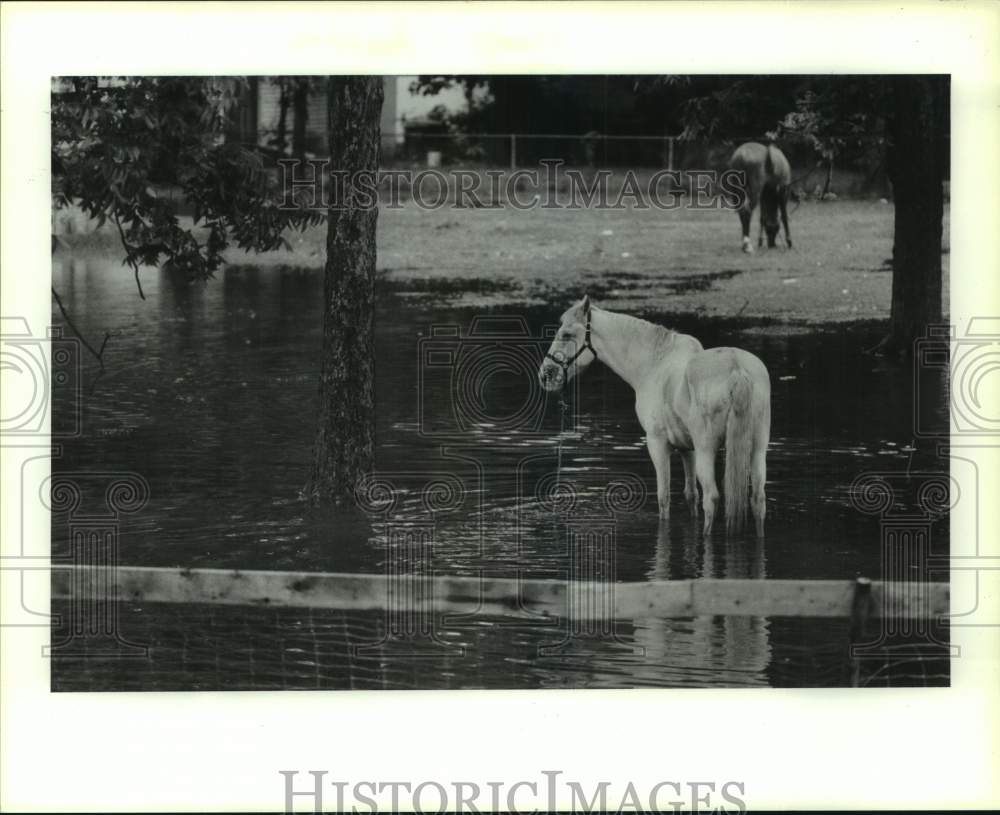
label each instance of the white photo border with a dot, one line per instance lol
(793, 749)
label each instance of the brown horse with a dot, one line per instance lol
(767, 177)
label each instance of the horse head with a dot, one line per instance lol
(571, 350)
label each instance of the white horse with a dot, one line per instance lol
(686, 399)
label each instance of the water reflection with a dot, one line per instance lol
(210, 393)
(726, 651)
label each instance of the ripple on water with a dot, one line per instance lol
(226, 467)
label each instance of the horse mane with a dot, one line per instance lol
(637, 326)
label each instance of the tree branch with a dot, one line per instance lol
(98, 355)
(128, 255)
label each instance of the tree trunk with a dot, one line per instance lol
(281, 140)
(300, 107)
(917, 160)
(345, 435)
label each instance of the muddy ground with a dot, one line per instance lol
(645, 261)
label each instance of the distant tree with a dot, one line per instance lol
(550, 104)
(716, 108)
(294, 95)
(300, 108)
(842, 118)
(280, 139)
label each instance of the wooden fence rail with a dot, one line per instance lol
(502, 596)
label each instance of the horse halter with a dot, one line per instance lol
(564, 363)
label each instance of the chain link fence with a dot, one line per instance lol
(862, 173)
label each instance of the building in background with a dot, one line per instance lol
(288, 114)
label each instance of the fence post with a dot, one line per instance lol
(861, 608)
(513, 151)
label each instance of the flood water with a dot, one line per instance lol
(210, 393)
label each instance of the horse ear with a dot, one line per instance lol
(586, 304)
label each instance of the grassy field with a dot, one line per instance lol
(680, 261)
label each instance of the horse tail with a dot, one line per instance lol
(769, 160)
(739, 449)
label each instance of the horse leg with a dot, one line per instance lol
(784, 218)
(690, 482)
(659, 452)
(704, 465)
(746, 215)
(760, 229)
